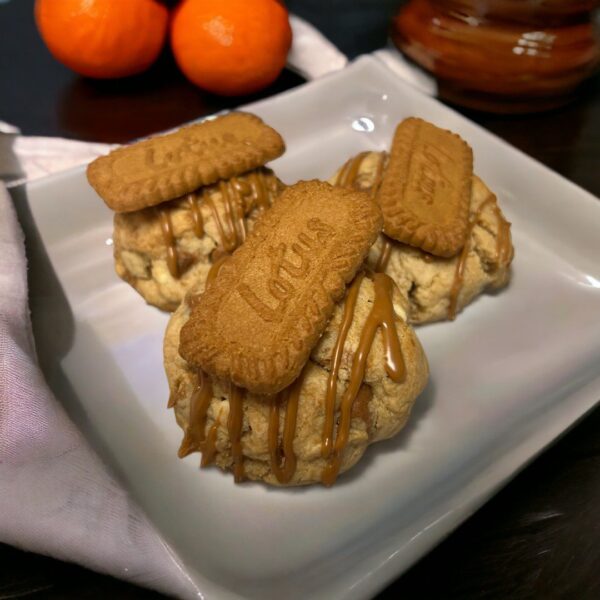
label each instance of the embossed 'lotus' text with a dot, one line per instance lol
(430, 174)
(288, 261)
(155, 159)
(426, 189)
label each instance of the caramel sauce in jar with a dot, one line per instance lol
(501, 55)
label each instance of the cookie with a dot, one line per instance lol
(163, 262)
(165, 167)
(271, 302)
(438, 288)
(363, 172)
(358, 387)
(425, 191)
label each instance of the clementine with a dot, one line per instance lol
(103, 38)
(231, 47)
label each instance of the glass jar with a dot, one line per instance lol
(502, 55)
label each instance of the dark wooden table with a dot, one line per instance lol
(539, 538)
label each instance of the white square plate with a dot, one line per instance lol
(513, 372)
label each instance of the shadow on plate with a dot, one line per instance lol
(51, 316)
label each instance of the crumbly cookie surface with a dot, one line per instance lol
(140, 250)
(273, 298)
(429, 282)
(381, 417)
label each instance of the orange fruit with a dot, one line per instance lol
(103, 38)
(231, 47)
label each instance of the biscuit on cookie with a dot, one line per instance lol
(305, 435)
(276, 293)
(438, 288)
(164, 167)
(184, 199)
(425, 188)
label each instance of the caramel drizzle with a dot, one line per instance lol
(235, 422)
(261, 190)
(283, 458)
(504, 249)
(378, 174)
(347, 178)
(336, 360)
(210, 445)
(239, 197)
(227, 227)
(384, 256)
(503, 253)
(215, 268)
(169, 237)
(351, 170)
(196, 214)
(194, 438)
(382, 316)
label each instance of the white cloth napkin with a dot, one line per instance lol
(56, 496)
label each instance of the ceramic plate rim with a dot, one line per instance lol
(389, 558)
